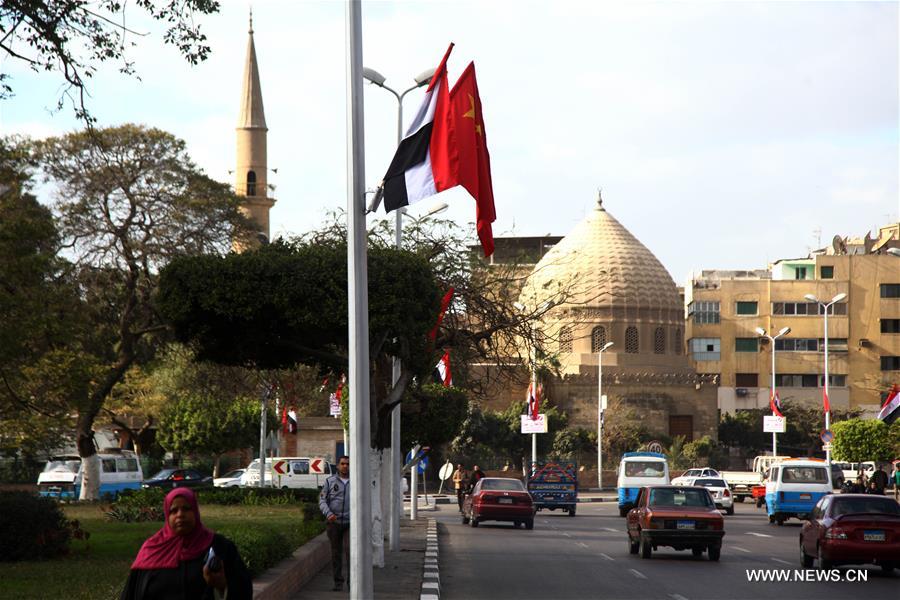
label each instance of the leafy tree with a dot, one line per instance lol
(858, 440)
(572, 444)
(432, 415)
(128, 200)
(72, 37)
(623, 431)
(705, 452)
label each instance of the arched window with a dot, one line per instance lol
(565, 339)
(631, 340)
(251, 183)
(659, 341)
(598, 338)
(678, 341)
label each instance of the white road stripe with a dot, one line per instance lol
(738, 548)
(567, 534)
(582, 544)
(677, 597)
(758, 534)
(778, 560)
(607, 557)
(611, 529)
(637, 574)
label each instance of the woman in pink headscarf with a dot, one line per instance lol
(185, 560)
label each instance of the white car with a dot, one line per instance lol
(230, 479)
(718, 489)
(688, 477)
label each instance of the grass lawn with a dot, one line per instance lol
(98, 567)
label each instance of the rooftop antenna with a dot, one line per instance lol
(251, 21)
(817, 232)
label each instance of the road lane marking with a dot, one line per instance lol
(778, 560)
(637, 574)
(758, 534)
(606, 556)
(567, 534)
(677, 597)
(582, 544)
(611, 529)
(738, 548)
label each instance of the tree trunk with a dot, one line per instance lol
(90, 462)
(375, 463)
(216, 465)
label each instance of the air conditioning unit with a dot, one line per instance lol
(740, 391)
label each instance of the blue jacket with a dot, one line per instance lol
(335, 499)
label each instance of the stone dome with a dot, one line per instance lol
(604, 265)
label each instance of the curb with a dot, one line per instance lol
(290, 575)
(431, 581)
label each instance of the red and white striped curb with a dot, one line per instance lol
(431, 581)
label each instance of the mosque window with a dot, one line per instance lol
(678, 342)
(598, 338)
(565, 339)
(251, 183)
(631, 340)
(659, 341)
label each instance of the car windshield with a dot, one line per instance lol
(62, 465)
(506, 485)
(804, 475)
(679, 497)
(233, 474)
(164, 474)
(849, 506)
(710, 483)
(643, 469)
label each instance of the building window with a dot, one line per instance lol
(746, 344)
(826, 272)
(833, 380)
(890, 363)
(565, 339)
(704, 312)
(631, 340)
(745, 380)
(834, 344)
(746, 308)
(800, 273)
(659, 341)
(890, 290)
(598, 338)
(797, 345)
(807, 308)
(890, 325)
(705, 348)
(678, 341)
(251, 183)
(796, 380)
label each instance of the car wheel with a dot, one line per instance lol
(515, 524)
(888, 568)
(632, 546)
(759, 502)
(465, 519)
(529, 524)
(824, 563)
(714, 553)
(646, 550)
(780, 521)
(623, 511)
(697, 551)
(806, 561)
(739, 498)
(572, 511)
(771, 519)
(473, 521)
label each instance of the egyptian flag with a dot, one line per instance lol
(890, 410)
(422, 165)
(442, 372)
(825, 403)
(445, 303)
(534, 400)
(284, 420)
(292, 421)
(775, 404)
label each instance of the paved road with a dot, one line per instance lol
(586, 557)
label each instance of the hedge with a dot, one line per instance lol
(33, 528)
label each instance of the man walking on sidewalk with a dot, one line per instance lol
(334, 502)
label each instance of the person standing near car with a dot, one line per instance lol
(477, 475)
(459, 478)
(334, 502)
(880, 479)
(897, 481)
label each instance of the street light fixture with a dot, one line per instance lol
(825, 307)
(762, 333)
(600, 409)
(378, 79)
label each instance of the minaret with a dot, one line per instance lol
(251, 170)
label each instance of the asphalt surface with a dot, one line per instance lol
(586, 556)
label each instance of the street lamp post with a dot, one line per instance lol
(762, 333)
(600, 414)
(826, 307)
(396, 500)
(533, 356)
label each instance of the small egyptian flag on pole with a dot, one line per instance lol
(826, 405)
(442, 372)
(292, 421)
(775, 404)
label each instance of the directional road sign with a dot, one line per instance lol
(279, 467)
(317, 465)
(446, 471)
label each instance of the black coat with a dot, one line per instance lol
(185, 582)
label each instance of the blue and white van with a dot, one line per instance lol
(794, 486)
(119, 470)
(636, 470)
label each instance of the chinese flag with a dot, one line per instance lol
(825, 402)
(472, 160)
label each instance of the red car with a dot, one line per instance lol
(499, 499)
(852, 529)
(676, 516)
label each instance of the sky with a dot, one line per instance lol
(724, 135)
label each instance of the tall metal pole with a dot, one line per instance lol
(396, 498)
(414, 492)
(600, 419)
(533, 393)
(361, 586)
(774, 433)
(262, 439)
(827, 412)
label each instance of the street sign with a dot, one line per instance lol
(317, 466)
(826, 447)
(538, 425)
(446, 471)
(279, 467)
(603, 402)
(773, 424)
(827, 437)
(421, 465)
(335, 405)
(655, 447)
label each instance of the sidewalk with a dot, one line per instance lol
(400, 579)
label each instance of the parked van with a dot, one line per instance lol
(295, 472)
(794, 487)
(851, 470)
(636, 470)
(119, 470)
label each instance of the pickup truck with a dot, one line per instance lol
(743, 482)
(554, 485)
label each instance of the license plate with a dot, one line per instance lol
(684, 525)
(873, 536)
(805, 497)
(505, 501)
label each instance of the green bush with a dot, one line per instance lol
(263, 546)
(32, 527)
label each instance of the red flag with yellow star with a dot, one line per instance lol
(473, 163)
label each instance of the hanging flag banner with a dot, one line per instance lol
(538, 425)
(774, 424)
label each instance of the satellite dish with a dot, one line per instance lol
(837, 244)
